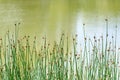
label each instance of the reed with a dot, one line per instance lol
(21, 59)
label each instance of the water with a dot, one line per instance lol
(51, 17)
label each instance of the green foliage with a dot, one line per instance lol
(21, 59)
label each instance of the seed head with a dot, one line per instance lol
(34, 37)
(18, 41)
(102, 37)
(29, 68)
(28, 36)
(112, 36)
(19, 23)
(118, 48)
(15, 24)
(107, 35)
(95, 40)
(1, 69)
(94, 37)
(48, 44)
(108, 50)
(45, 47)
(73, 39)
(75, 54)
(106, 19)
(34, 41)
(39, 55)
(85, 38)
(83, 24)
(99, 40)
(43, 37)
(63, 34)
(76, 35)
(14, 46)
(78, 57)
(113, 62)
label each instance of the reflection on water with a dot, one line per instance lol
(95, 25)
(50, 17)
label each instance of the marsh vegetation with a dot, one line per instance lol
(21, 59)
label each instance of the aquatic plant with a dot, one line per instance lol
(21, 59)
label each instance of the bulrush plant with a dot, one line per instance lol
(21, 59)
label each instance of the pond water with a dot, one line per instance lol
(51, 17)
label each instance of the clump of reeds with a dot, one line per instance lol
(21, 59)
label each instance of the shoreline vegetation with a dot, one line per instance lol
(21, 59)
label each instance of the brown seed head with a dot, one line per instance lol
(73, 39)
(43, 37)
(15, 24)
(75, 54)
(107, 35)
(63, 34)
(99, 40)
(106, 19)
(1, 39)
(95, 40)
(76, 35)
(49, 44)
(18, 41)
(28, 36)
(112, 36)
(102, 37)
(34, 41)
(83, 24)
(34, 37)
(94, 37)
